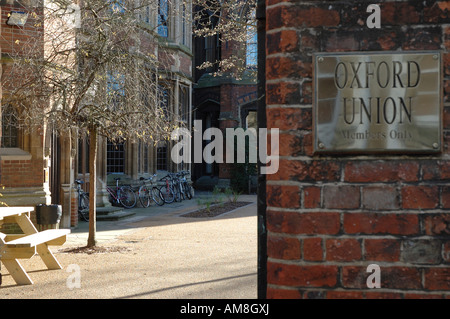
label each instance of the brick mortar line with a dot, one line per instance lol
(293, 55)
(293, 132)
(358, 210)
(360, 158)
(355, 236)
(289, 106)
(283, 4)
(288, 80)
(365, 290)
(293, 81)
(273, 31)
(358, 263)
(340, 182)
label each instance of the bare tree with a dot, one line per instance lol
(234, 23)
(93, 69)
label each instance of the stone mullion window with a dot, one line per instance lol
(9, 133)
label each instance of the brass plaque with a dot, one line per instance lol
(384, 102)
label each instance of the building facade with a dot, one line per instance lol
(24, 173)
(174, 76)
(51, 162)
(223, 100)
(131, 160)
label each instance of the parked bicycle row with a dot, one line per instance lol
(175, 187)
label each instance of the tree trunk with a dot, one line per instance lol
(92, 186)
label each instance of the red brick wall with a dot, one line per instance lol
(329, 217)
(74, 210)
(15, 39)
(21, 173)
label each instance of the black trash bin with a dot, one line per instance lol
(48, 216)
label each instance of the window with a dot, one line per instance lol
(184, 24)
(145, 14)
(117, 6)
(212, 50)
(163, 18)
(164, 100)
(184, 103)
(115, 86)
(142, 157)
(209, 49)
(252, 43)
(211, 44)
(161, 158)
(251, 120)
(148, 90)
(115, 154)
(9, 127)
(145, 159)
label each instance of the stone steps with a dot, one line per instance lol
(112, 213)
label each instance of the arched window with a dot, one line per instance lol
(9, 134)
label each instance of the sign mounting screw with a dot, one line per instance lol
(435, 145)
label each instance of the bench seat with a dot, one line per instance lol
(26, 247)
(51, 237)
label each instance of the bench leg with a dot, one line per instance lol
(47, 257)
(15, 269)
(26, 225)
(28, 228)
(17, 272)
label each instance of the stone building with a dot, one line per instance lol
(41, 167)
(24, 173)
(174, 50)
(223, 100)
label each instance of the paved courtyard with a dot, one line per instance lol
(155, 254)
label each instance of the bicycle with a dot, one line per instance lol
(150, 192)
(123, 195)
(177, 187)
(83, 202)
(167, 191)
(187, 188)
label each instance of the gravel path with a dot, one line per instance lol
(165, 256)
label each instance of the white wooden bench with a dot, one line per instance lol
(24, 247)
